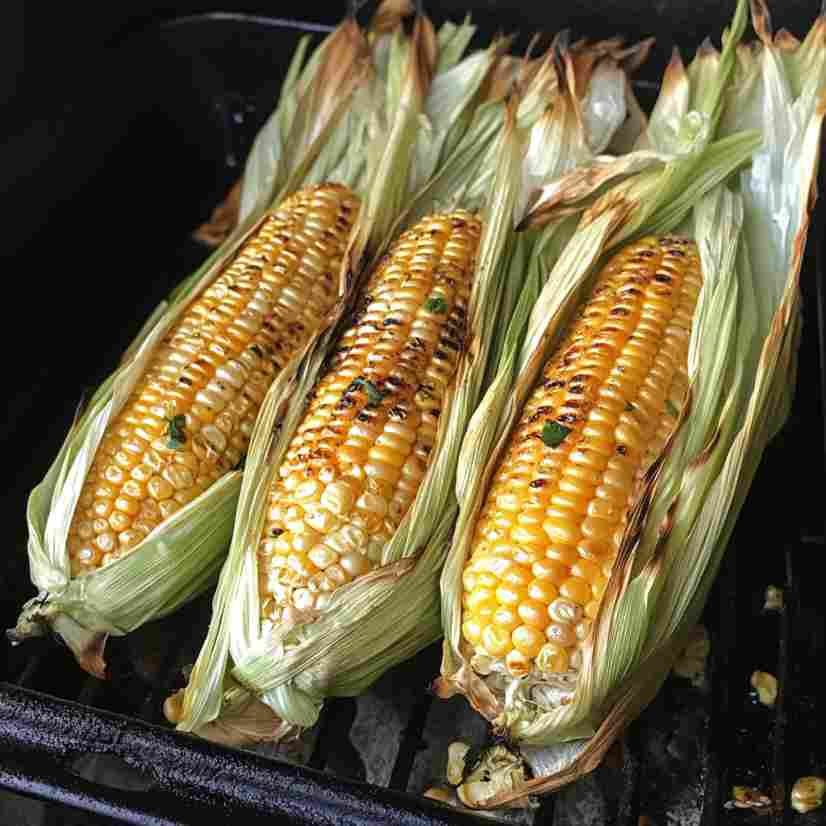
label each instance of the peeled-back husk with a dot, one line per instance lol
(387, 616)
(182, 557)
(751, 232)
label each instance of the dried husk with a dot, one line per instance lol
(751, 232)
(181, 557)
(385, 617)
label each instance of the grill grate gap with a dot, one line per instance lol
(411, 743)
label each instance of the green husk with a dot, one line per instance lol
(322, 124)
(385, 617)
(751, 232)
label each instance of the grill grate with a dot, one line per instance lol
(101, 746)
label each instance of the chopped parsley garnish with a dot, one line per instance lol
(374, 395)
(175, 431)
(554, 433)
(436, 305)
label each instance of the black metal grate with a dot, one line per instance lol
(102, 747)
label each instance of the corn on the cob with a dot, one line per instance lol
(189, 419)
(355, 464)
(548, 534)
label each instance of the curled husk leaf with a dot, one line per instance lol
(750, 228)
(181, 558)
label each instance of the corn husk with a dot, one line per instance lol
(319, 132)
(383, 618)
(751, 231)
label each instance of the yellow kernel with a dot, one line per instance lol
(478, 597)
(534, 613)
(548, 569)
(565, 611)
(593, 550)
(527, 640)
(387, 456)
(127, 505)
(562, 554)
(487, 580)
(601, 508)
(598, 586)
(133, 489)
(113, 474)
(527, 556)
(106, 541)
(563, 531)
(505, 617)
(184, 497)
(119, 521)
(496, 641)
(542, 590)
(88, 555)
(102, 508)
(168, 507)
(128, 539)
(552, 659)
(516, 575)
(528, 536)
(141, 473)
(576, 589)
(560, 633)
(598, 529)
(591, 609)
(159, 488)
(511, 595)
(472, 630)
(587, 570)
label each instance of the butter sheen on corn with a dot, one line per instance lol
(552, 521)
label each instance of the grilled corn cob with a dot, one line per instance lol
(355, 463)
(189, 419)
(554, 516)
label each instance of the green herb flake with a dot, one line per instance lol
(671, 408)
(554, 433)
(175, 431)
(436, 305)
(374, 395)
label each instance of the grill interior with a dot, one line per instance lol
(195, 117)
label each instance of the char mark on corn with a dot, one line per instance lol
(550, 528)
(189, 419)
(356, 461)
